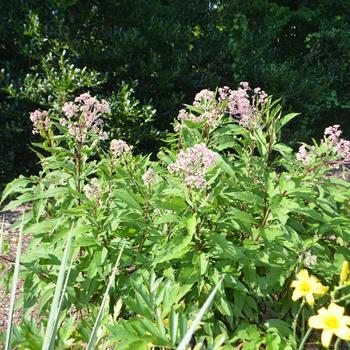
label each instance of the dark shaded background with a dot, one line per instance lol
(149, 54)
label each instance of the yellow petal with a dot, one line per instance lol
(346, 320)
(316, 322)
(294, 284)
(310, 299)
(325, 289)
(344, 271)
(323, 311)
(336, 310)
(343, 332)
(317, 287)
(314, 280)
(296, 295)
(326, 338)
(303, 275)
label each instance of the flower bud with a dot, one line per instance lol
(344, 271)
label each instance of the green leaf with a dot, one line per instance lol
(179, 245)
(128, 198)
(286, 119)
(188, 336)
(226, 167)
(51, 328)
(14, 187)
(91, 342)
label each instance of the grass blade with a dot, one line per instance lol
(14, 287)
(2, 232)
(91, 342)
(188, 336)
(54, 332)
(51, 328)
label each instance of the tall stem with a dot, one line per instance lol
(147, 210)
(295, 322)
(78, 170)
(306, 336)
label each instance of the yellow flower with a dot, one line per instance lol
(306, 286)
(344, 271)
(332, 321)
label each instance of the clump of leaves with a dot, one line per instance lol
(226, 216)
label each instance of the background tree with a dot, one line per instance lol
(164, 52)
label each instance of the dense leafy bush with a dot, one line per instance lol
(297, 49)
(226, 208)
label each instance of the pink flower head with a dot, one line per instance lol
(119, 148)
(83, 117)
(69, 109)
(93, 191)
(210, 117)
(333, 133)
(224, 93)
(343, 149)
(40, 120)
(193, 164)
(244, 85)
(148, 176)
(261, 95)
(303, 155)
(184, 115)
(204, 95)
(238, 103)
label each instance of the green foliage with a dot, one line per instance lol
(229, 225)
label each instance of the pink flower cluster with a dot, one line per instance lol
(332, 143)
(243, 103)
(40, 120)
(239, 104)
(82, 117)
(93, 191)
(333, 133)
(209, 116)
(193, 164)
(184, 115)
(261, 95)
(119, 148)
(304, 155)
(203, 96)
(342, 147)
(148, 176)
(205, 99)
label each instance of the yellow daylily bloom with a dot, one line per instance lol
(344, 271)
(332, 321)
(306, 286)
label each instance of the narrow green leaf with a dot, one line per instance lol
(13, 291)
(51, 329)
(188, 336)
(52, 343)
(173, 324)
(286, 119)
(91, 342)
(13, 187)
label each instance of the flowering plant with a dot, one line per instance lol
(226, 207)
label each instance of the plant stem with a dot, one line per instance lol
(303, 323)
(336, 344)
(301, 346)
(78, 170)
(295, 322)
(347, 296)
